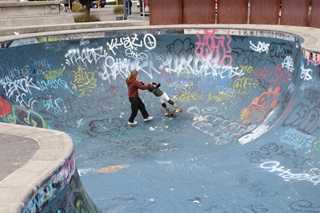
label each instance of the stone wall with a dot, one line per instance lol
(14, 13)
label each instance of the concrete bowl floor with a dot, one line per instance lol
(247, 140)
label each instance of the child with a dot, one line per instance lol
(163, 97)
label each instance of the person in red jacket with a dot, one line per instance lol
(136, 103)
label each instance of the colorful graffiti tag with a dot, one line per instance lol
(256, 93)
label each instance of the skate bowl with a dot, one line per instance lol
(247, 140)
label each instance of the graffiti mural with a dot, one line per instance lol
(250, 120)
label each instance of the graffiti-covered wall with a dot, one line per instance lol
(254, 89)
(63, 192)
(65, 83)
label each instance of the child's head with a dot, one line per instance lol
(150, 89)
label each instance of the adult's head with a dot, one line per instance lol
(133, 74)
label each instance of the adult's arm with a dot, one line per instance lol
(141, 86)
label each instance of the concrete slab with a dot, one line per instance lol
(15, 152)
(27, 159)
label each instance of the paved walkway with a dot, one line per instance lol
(27, 154)
(106, 15)
(15, 152)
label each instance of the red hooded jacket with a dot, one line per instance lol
(133, 86)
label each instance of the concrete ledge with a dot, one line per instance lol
(311, 36)
(31, 13)
(55, 148)
(5, 31)
(34, 21)
(119, 17)
(27, 3)
(20, 9)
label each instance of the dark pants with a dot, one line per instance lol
(137, 104)
(128, 6)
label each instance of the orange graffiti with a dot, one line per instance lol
(275, 75)
(110, 169)
(260, 106)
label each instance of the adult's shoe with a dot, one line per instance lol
(148, 119)
(132, 123)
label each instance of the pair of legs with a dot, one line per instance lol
(137, 104)
(165, 98)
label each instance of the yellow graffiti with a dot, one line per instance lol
(42, 39)
(185, 71)
(247, 69)
(53, 38)
(211, 96)
(222, 96)
(187, 96)
(53, 74)
(316, 145)
(8, 118)
(244, 85)
(48, 39)
(83, 81)
(111, 169)
(244, 113)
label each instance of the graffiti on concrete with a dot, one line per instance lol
(255, 91)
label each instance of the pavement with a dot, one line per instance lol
(106, 13)
(107, 20)
(21, 150)
(28, 155)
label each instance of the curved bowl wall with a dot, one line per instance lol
(247, 140)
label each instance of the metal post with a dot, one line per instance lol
(125, 14)
(143, 8)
